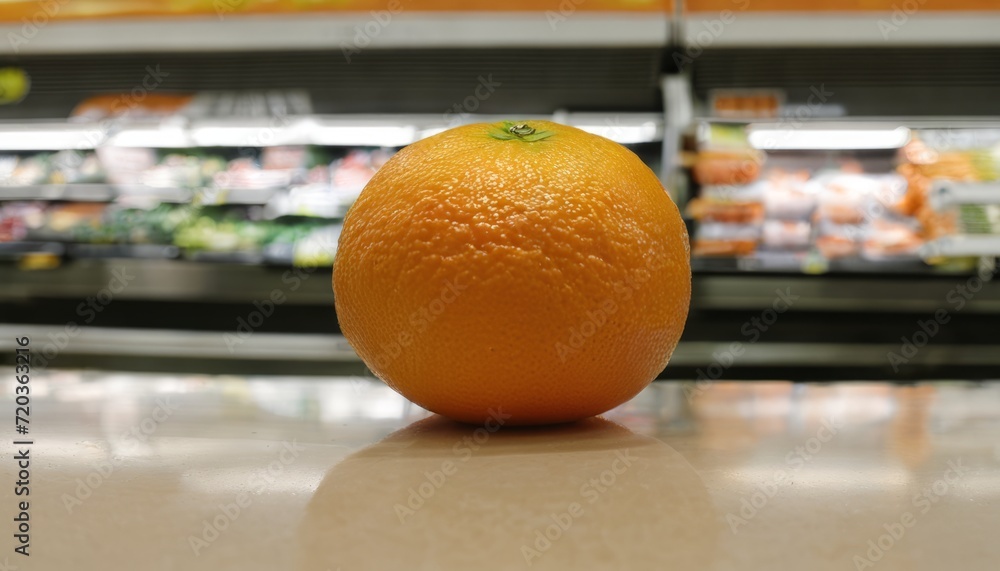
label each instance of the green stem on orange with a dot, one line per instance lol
(510, 131)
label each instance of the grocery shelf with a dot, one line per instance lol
(946, 193)
(833, 29)
(122, 251)
(821, 136)
(880, 121)
(171, 343)
(388, 130)
(17, 249)
(247, 196)
(358, 31)
(208, 281)
(792, 262)
(77, 192)
(158, 349)
(93, 192)
(959, 245)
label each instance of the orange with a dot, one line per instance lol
(531, 272)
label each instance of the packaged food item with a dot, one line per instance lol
(838, 240)
(717, 239)
(709, 210)
(218, 229)
(789, 196)
(727, 167)
(156, 225)
(318, 248)
(786, 234)
(75, 167)
(285, 157)
(244, 173)
(68, 221)
(31, 170)
(18, 218)
(353, 171)
(736, 204)
(313, 200)
(174, 171)
(126, 165)
(7, 165)
(846, 198)
(921, 164)
(891, 239)
(892, 192)
(152, 105)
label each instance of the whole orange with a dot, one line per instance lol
(531, 272)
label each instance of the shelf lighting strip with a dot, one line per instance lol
(323, 131)
(810, 138)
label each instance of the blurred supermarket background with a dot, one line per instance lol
(173, 175)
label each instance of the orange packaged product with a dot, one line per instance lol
(711, 210)
(125, 104)
(729, 240)
(891, 239)
(838, 240)
(727, 167)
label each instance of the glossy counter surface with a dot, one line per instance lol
(159, 472)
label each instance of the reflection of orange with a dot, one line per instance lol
(536, 270)
(909, 438)
(439, 495)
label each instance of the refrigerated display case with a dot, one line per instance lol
(852, 195)
(230, 171)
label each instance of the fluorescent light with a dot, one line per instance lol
(432, 131)
(364, 135)
(625, 134)
(152, 137)
(239, 136)
(806, 138)
(50, 138)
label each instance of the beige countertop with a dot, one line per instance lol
(155, 472)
